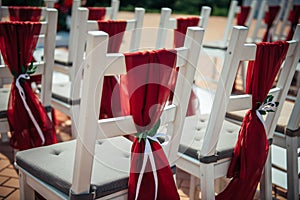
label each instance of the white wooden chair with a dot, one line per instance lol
(261, 26)
(216, 49)
(44, 68)
(90, 168)
(206, 152)
(63, 57)
(66, 94)
(167, 23)
(285, 164)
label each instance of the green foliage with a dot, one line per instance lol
(22, 2)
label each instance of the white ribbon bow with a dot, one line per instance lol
(23, 97)
(148, 153)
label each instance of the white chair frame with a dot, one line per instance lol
(223, 102)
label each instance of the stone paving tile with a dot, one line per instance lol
(14, 196)
(5, 191)
(9, 172)
(12, 182)
(4, 163)
(3, 179)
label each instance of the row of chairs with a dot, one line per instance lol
(90, 104)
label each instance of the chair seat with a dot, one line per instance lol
(192, 138)
(62, 91)
(54, 165)
(4, 95)
(61, 57)
(282, 121)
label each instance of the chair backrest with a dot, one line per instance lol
(223, 102)
(45, 66)
(90, 128)
(264, 8)
(83, 26)
(166, 22)
(110, 13)
(5, 13)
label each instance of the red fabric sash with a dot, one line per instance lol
(24, 13)
(182, 24)
(294, 19)
(251, 150)
(147, 86)
(17, 43)
(243, 15)
(110, 101)
(269, 19)
(96, 13)
(179, 35)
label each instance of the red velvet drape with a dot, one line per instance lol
(294, 19)
(17, 43)
(24, 13)
(251, 150)
(148, 86)
(179, 35)
(182, 24)
(110, 102)
(269, 19)
(96, 13)
(243, 15)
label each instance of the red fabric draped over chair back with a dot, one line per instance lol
(251, 150)
(242, 16)
(17, 43)
(179, 35)
(294, 19)
(182, 24)
(147, 86)
(110, 101)
(96, 13)
(24, 13)
(269, 19)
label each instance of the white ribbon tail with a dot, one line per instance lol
(23, 97)
(265, 107)
(260, 117)
(148, 153)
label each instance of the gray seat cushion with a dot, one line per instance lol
(193, 135)
(54, 165)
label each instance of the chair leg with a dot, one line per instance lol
(292, 167)
(266, 179)
(207, 181)
(4, 137)
(192, 187)
(26, 192)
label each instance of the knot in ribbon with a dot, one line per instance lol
(147, 136)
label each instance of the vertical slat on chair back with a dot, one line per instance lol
(205, 13)
(232, 11)
(251, 14)
(233, 57)
(49, 47)
(73, 31)
(193, 42)
(285, 22)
